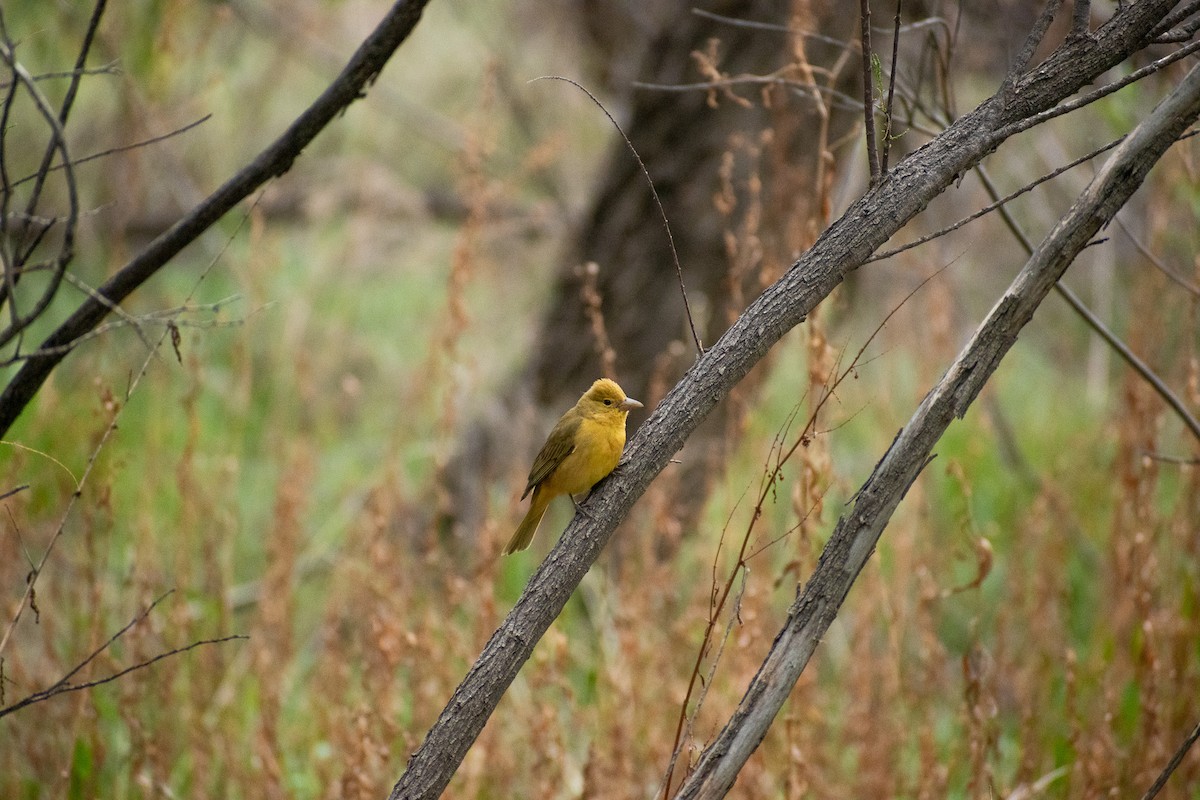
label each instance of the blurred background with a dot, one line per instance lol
(372, 350)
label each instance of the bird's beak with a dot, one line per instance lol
(630, 404)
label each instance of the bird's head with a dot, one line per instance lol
(606, 397)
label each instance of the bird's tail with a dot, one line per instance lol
(528, 527)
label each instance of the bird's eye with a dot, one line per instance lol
(608, 402)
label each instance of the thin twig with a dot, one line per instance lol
(1182, 461)
(769, 26)
(14, 490)
(995, 204)
(63, 685)
(778, 78)
(646, 173)
(887, 109)
(864, 15)
(1036, 34)
(1096, 324)
(111, 68)
(120, 149)
(1161, 781)
(1141, 247)
(167, 317)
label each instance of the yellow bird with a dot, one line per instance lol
(584, 446)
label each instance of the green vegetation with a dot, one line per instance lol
(1032, 611)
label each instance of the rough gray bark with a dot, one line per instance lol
(856, 534)
(847, 243)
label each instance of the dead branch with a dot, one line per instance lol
(1160, 387)
(64, 685)
(1180, 752)
(868, 79)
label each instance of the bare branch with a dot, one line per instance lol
(63, 685)
(1097, 325)
(868, 77)
(1161, 781)
(1036, 34)
(120, 149)
(1181, 34)
(1081, 17)
(687, 307)
(1163, 28)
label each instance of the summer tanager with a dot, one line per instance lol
(584, 446)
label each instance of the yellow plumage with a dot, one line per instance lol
(583, 447)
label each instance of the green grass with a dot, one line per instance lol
(280, 478)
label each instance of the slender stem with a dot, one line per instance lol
(887, 109)
(1096, 324)
(868, 91)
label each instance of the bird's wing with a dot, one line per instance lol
(559, 444)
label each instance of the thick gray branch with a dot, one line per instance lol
(841, 249)
(856, 534)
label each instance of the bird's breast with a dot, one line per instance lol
(598, 447)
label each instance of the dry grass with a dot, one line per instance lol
(1029, 626)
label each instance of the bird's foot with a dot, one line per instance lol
(579, 508)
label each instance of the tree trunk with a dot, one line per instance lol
(738, 181)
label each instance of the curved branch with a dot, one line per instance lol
(361, 71)
(24, 246)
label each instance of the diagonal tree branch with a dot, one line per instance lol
(364, 66)
(843, 247)
(1180, 752)
(1122, 350)
(857, 533)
